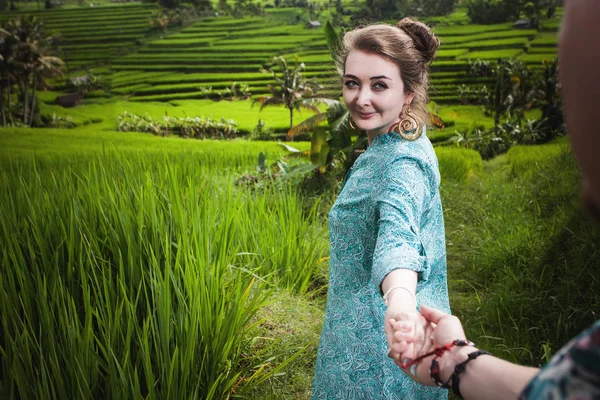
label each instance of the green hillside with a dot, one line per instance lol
(207, 57)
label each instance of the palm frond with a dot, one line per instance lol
(299, 106)
(322, 100)
(342, 123)
(267, 101)
(333, 40)
(308, 124)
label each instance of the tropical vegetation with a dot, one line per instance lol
(193, 261)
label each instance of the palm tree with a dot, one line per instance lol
(44, 67)
(334, 141)
(290, 87)
(31, 61)
(7, 70)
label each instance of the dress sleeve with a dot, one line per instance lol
(404, 193)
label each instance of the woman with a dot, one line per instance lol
(574, 372)
(387, 240)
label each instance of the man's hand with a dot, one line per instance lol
(438, 329)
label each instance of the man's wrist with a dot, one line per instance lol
(451, 358)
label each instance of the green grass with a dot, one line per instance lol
(458, 165)
(493, 44)
(126, 229)
(470, 29)
(450, 53)
(236, 155)
(534, 237)
(513, 232)
(123, 232)
(242, 112)
(465, 39)
(201, 49)
(462, 117)
(537, 58)
(147, 279)
(492, 54)
(121, 26)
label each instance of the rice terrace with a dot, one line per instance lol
(167, 168)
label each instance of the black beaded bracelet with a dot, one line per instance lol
(460, 368)
(434, 369)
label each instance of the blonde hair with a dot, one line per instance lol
(411, 45)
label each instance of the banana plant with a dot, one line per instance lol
(290, 86)
(331, 142)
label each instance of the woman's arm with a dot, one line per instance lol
(400, 286)
(398, 260)
(403, 283)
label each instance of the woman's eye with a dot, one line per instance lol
(379, 86)
(350, 84)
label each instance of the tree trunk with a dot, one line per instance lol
(32, 111)
(8, 97)
(9, 100)
(3, 99)
(291, 122)
(2, 108)
(26, 99)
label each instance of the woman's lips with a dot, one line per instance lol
(366, 115)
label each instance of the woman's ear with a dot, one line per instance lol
(408, 98)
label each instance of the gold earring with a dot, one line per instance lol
(409, 127)
(350, 123)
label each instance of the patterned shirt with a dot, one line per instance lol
(387, 216)
(573, 372)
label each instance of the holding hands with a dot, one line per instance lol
(432, 350)
(415, 340)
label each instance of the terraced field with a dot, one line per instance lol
(215, 53)
(205, 59)
(95, 35)
(208, 57)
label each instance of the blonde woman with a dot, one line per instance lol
(386, 227)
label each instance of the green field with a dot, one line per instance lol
(140, 266)
(231, 50)
(140, 223)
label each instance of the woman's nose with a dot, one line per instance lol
(364, 96)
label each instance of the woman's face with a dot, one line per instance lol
(373, 92)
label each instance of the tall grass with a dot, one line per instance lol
(523, 255)
(458, 164)
(132, 275)
(144, 273)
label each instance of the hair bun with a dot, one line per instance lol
(423, 38)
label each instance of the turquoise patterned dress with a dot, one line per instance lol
(387, 216)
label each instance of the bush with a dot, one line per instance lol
(432, 7)
(492, 11)
(194, 127)
(457, 164)
(260, 132)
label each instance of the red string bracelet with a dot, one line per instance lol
(438, 352)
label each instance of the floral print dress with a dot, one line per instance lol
(387, 216)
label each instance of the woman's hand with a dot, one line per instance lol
(411, 325)
(402, 308)
(439, 329)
